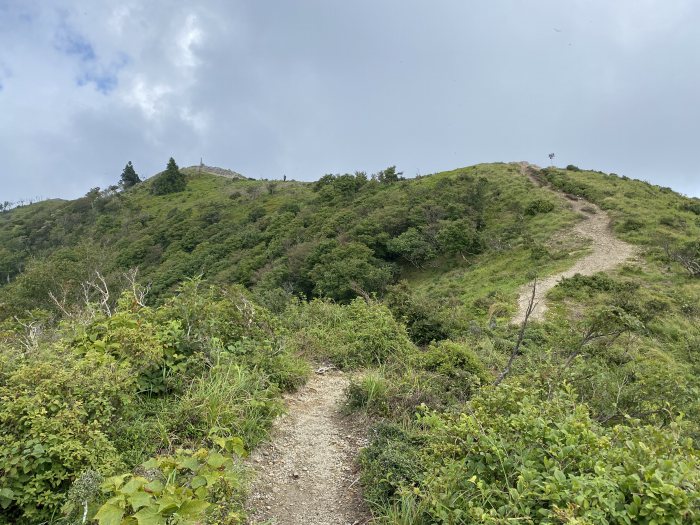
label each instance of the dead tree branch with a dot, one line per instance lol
(521, 335)
(98, 288)
(138, 291)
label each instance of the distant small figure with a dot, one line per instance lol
(284, 178)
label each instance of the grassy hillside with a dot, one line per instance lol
(291, 235)
(165, 377)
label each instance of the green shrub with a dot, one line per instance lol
(460, 237)
(420, 314)
(342, 272)
(692, 207)
(518, 456)
(392, 460)
(55, 418)
(284, 370)
(413, 246)
(538, 206)
(630, 225)
(359, 334)
(172, 180)
(189, 487)
(459, 369)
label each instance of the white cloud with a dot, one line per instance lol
(312, 87)
(146, 97)
(189, 37)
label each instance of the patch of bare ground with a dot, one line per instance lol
(607, 251)
(307, 474)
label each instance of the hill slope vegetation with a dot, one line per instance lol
(146, 340)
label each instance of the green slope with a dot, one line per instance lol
(600, 405)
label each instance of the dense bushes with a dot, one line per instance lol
(514, 455)
(344, 239)
(360, 334)
(420, 314)
(56, 413)
(206, 366)
(539, 206)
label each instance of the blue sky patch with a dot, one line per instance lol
(72, 43)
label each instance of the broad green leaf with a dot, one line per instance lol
(198, 481)
(114, 482)
(216, 460)
(167, 504)
(109, 515)
(190, 463)
(133, 485)
(149, 516)
(154, 487)
(139, 499)
(191, 510)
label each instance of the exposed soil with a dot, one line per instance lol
(607, 251)
(307, 474)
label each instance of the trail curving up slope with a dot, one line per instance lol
(307, 474)
(607, 250)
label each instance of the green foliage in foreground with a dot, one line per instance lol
(188, 487)
(514, 455)
(101, 395)
(55, 419)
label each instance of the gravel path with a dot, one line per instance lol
(307, 474)
(607, 250)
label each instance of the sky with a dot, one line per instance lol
(304, 88)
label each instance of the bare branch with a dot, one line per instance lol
(355, 287)
(60, 304)
(521, 335)
(32, 331)
(138, 291)
(98, 287)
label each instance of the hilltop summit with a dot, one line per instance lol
(213, 170)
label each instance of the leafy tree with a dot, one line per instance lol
(420, 314)
(345, 271)
(172, 180)
(129, 176)
(412, 246)
(460, 237)
(389, 175)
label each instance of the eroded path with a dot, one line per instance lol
(307, 474)
(607, 251)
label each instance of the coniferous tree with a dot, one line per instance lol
(171, 180)
(129, 176)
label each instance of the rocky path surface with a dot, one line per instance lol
(307, 474)
(607, 251)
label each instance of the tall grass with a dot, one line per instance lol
(228, 400)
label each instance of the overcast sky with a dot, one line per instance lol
(311, 87)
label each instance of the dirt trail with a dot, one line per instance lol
(307, 474)
(607, 250)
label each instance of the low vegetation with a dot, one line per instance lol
(132, 396)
